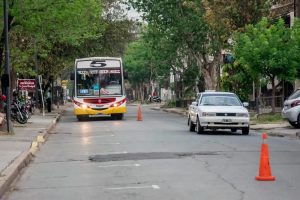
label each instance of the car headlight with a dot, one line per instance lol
(208, 114)
(242, 115)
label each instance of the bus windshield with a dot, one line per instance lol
(99, 82)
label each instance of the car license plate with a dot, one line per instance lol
(226, 120)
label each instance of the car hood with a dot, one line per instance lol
(224, 109)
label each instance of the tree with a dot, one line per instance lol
(201, 27)
(237, 79)
(137, 61)
(182, 24)
(47, 31)
(118, 32)
(268, 50)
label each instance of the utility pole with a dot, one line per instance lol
(7, 69)
(297, 8)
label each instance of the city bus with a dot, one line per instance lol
(99, 88)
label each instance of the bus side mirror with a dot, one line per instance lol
(125, 75)
(72, 76)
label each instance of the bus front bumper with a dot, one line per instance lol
(90, 111)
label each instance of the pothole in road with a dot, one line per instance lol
(147, 156)
(61, 133)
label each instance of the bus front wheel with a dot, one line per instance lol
(81, 117)
(118, 116)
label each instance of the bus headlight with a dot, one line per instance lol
(117, 104)
(84, 106)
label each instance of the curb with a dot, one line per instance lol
(183, 113)
(13, 170)
(278, 134)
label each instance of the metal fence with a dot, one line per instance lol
(265, 104)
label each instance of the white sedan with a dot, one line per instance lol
(218, 110)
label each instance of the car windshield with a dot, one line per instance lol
(295, 95)
(220, 100)
(91, 82)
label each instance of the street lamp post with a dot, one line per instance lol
(7, 68)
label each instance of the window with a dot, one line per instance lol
(91, 82)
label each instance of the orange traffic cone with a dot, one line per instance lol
(264, 167)
(139, 114)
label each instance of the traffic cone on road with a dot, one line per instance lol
(264, 166)
(139, 114)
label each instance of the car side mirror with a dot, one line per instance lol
(246, 104)
(194, 103)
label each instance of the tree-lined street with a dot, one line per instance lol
(209, 64)
(157, 158)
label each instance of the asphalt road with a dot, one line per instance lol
(157, 158)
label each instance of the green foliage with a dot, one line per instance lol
(54, 33)
(117, 32)
(137, 61)
(61, 21)
(268, 50)
(179, 38)
(235, 78)
(267, 119)
(49, 32)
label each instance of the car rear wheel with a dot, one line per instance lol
(191, 125)
(297, 123)
(199, 128)
(245, 130)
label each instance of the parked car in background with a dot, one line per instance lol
(291, 109)
(218, 110)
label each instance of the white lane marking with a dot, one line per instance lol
(96, 136)
(155, 187)
(129, 165)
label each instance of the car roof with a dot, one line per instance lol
(213, 92)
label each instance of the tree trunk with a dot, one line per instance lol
(257, 99)
(273, 94)
(211, 74)
(210, 70)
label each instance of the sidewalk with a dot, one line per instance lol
(279, 130)
(16, 151)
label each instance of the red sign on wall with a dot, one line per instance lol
(26, 84)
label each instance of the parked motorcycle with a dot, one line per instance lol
(19, 112)
(156, 99)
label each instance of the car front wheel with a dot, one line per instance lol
(191, 125)
(199, 129)
(245, 130)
